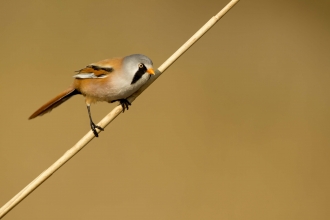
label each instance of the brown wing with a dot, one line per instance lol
(96, 70)
(99, 69)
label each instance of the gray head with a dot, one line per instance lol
(138, 58)
(136, 65)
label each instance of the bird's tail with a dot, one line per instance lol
(58, 100)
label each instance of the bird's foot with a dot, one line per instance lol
(124, 103)
(93, 127)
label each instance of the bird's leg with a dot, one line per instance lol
(124, 103)
(93, 125)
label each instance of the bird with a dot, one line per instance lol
(108, 80)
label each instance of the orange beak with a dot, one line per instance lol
(151, 71)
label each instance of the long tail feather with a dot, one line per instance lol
(58, 100)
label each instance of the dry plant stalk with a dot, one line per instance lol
(111, 116)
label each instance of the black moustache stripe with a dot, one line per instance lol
(139, 74)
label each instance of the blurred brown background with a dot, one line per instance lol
(237, 128)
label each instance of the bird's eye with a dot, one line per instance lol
(141, 65)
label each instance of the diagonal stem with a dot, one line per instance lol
(111, 116)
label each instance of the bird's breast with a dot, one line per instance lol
(109, 88)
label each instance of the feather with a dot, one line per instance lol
(56, 101)
(93, 71)
(89, 76)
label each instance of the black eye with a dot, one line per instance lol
(141, 65)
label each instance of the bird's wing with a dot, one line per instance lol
(99, 69)
(93, 71)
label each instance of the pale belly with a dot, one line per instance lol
(112, 90)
